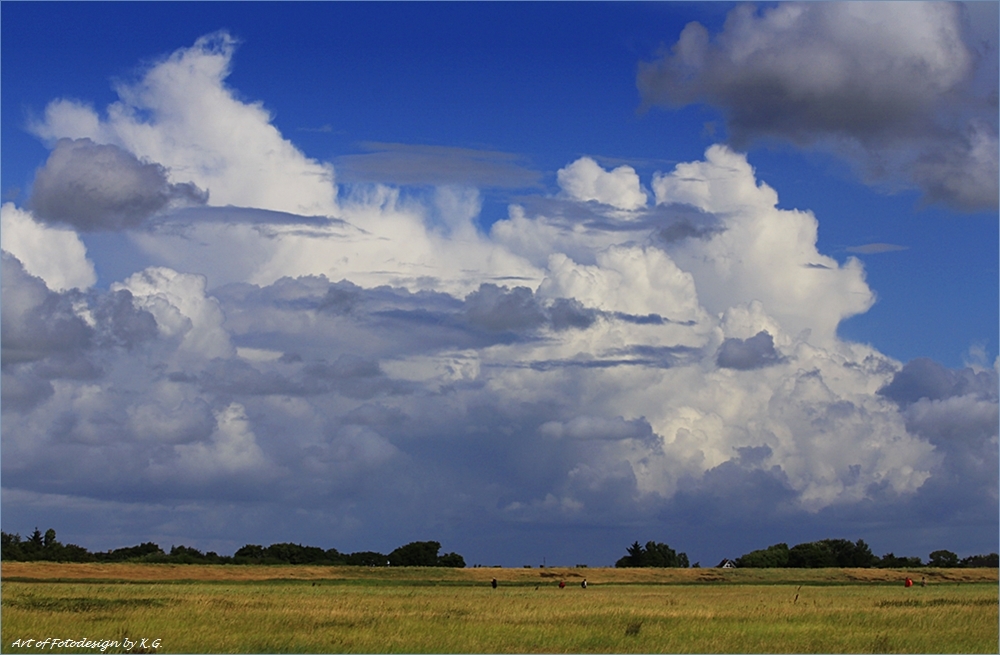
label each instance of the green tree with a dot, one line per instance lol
(857, 555)
(943, 559)
(366, 558)
(775, 556)
(811, 555)
(634, 558)
(186, 555)
(653, 554)
(416, 553)
(890, 561)
(830, 553)
(636, 553)
(981, 561)
(142, 551)
(453, 560)
(249, 554)
(663, 556)
(287, 553)
(74, 553)
(333, 556)
(11, 547)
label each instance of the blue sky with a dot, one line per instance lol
(507, 275)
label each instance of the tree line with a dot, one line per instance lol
(652, 554)
(45, 547)
(843, 553)
(826, 553)
(839, 553)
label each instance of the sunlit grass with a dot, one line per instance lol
(394, 611)
(509, 576)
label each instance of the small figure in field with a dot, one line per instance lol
(908, 583)
(562, 584)
(923, 582)
(583, 584)
(493, 583)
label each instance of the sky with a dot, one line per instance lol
(533, 280)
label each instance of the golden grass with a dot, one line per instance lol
(407, 614)
(506, 576)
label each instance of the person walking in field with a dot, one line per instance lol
(562, 584)
(583, 585)
(493, 583)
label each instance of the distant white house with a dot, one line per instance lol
(726, 564)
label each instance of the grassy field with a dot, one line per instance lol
(230, 609)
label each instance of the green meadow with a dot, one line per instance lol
(196, 609)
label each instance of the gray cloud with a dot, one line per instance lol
(686, 229)
(567, 313)
(733, 490)
(22, 389)
(102, 187)
(964, 430)
(341, 298)
(875, 248)
(230, 215)
(408, 164)
(239, 377)
(498, 309)
(924, 378)
(670, 222)
(599, 428)
(958, 412)
(748, 354)
(334, 429)
(355, 377)
(891, 86)
(37, 323)
(119, 322)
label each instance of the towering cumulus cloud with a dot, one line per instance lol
(181, 116)
(380, 367)
(889, 85)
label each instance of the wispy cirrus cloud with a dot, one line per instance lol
(875, 248)
(412, 164)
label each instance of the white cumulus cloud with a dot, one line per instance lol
(181, 115)
(57, 255)
(182, 310)
(585, 180)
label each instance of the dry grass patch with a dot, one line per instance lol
(52, 571)
(343, 616)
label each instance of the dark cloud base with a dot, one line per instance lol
(393, 460)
